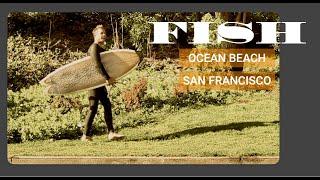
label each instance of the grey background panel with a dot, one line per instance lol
(299, 119)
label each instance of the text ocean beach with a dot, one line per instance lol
(223, 57)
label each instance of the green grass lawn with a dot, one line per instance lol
(248, 127)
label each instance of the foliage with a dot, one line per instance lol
(30, 60)
(215, 22)
(139, 29)
(247, 128)
(265, 16)
(133, 97)
(32, 115)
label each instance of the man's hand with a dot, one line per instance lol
(111, 81)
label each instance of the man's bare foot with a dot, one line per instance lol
(85, 138)
(115, 136)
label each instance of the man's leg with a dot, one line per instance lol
(105, 101)
(93, 107)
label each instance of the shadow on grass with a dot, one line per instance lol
(201, 130)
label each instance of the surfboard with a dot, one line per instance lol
(82, 74)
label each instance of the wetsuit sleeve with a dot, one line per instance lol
(95, 56)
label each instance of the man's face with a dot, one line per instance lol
(100, 35)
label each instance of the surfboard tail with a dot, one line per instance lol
(46, 81)
(42, 82)
(49, 90)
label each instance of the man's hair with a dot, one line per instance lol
(100, 26)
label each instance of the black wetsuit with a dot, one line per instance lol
(99, 94)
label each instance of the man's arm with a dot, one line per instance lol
(95, 55)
